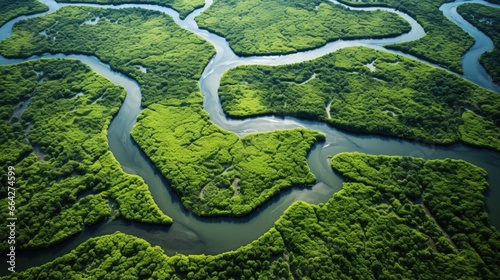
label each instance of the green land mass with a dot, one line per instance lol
(129, 39)
(184, 7)
(163, 58)
(487, 20)
(395, 218)
(398, 97)
(65, 175)
(280, 26)
(12, 9)
(444, 42)
(212, 170)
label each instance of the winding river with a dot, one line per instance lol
(193, 235)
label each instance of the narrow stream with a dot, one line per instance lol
(193, 235)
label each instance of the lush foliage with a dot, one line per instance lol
(396, 218)
(184, 7)
(479, 131)
(130, 40)
(65, 175)
(444, 42)
(121, 256)
(12, 9)
(487, 19)
(281, 26)
(449, 192)
(399, 97)
(213, 171)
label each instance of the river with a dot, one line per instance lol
(190, 234)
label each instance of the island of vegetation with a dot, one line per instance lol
(395, 218)
(184, 7)
(256, 27)
(369, 91)
(54, 118)
(444, 42)
(149, 46)
(487, 20)
(12, 9)
(168, 77)
(212, 170)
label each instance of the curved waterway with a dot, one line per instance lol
(194, 235)
(473, 70)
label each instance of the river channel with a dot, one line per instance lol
(190, 234)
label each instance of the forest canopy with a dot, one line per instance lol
(212, 170)
(257, 27)
(149, 46)
(12, 9)
(369, 91)
(444, 42)
(184, 7)
(54, 120)
(395, 218)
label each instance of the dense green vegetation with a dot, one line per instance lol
(478, 131)
(215, 172)
(65, 175)
(12, 9)
(280, 26)
(441, 199)
(444, 42)
(172, 60)
(128, 39)
(395, 218)
(487, 20)
(121, 256)
(400, 97)
(184, 7)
